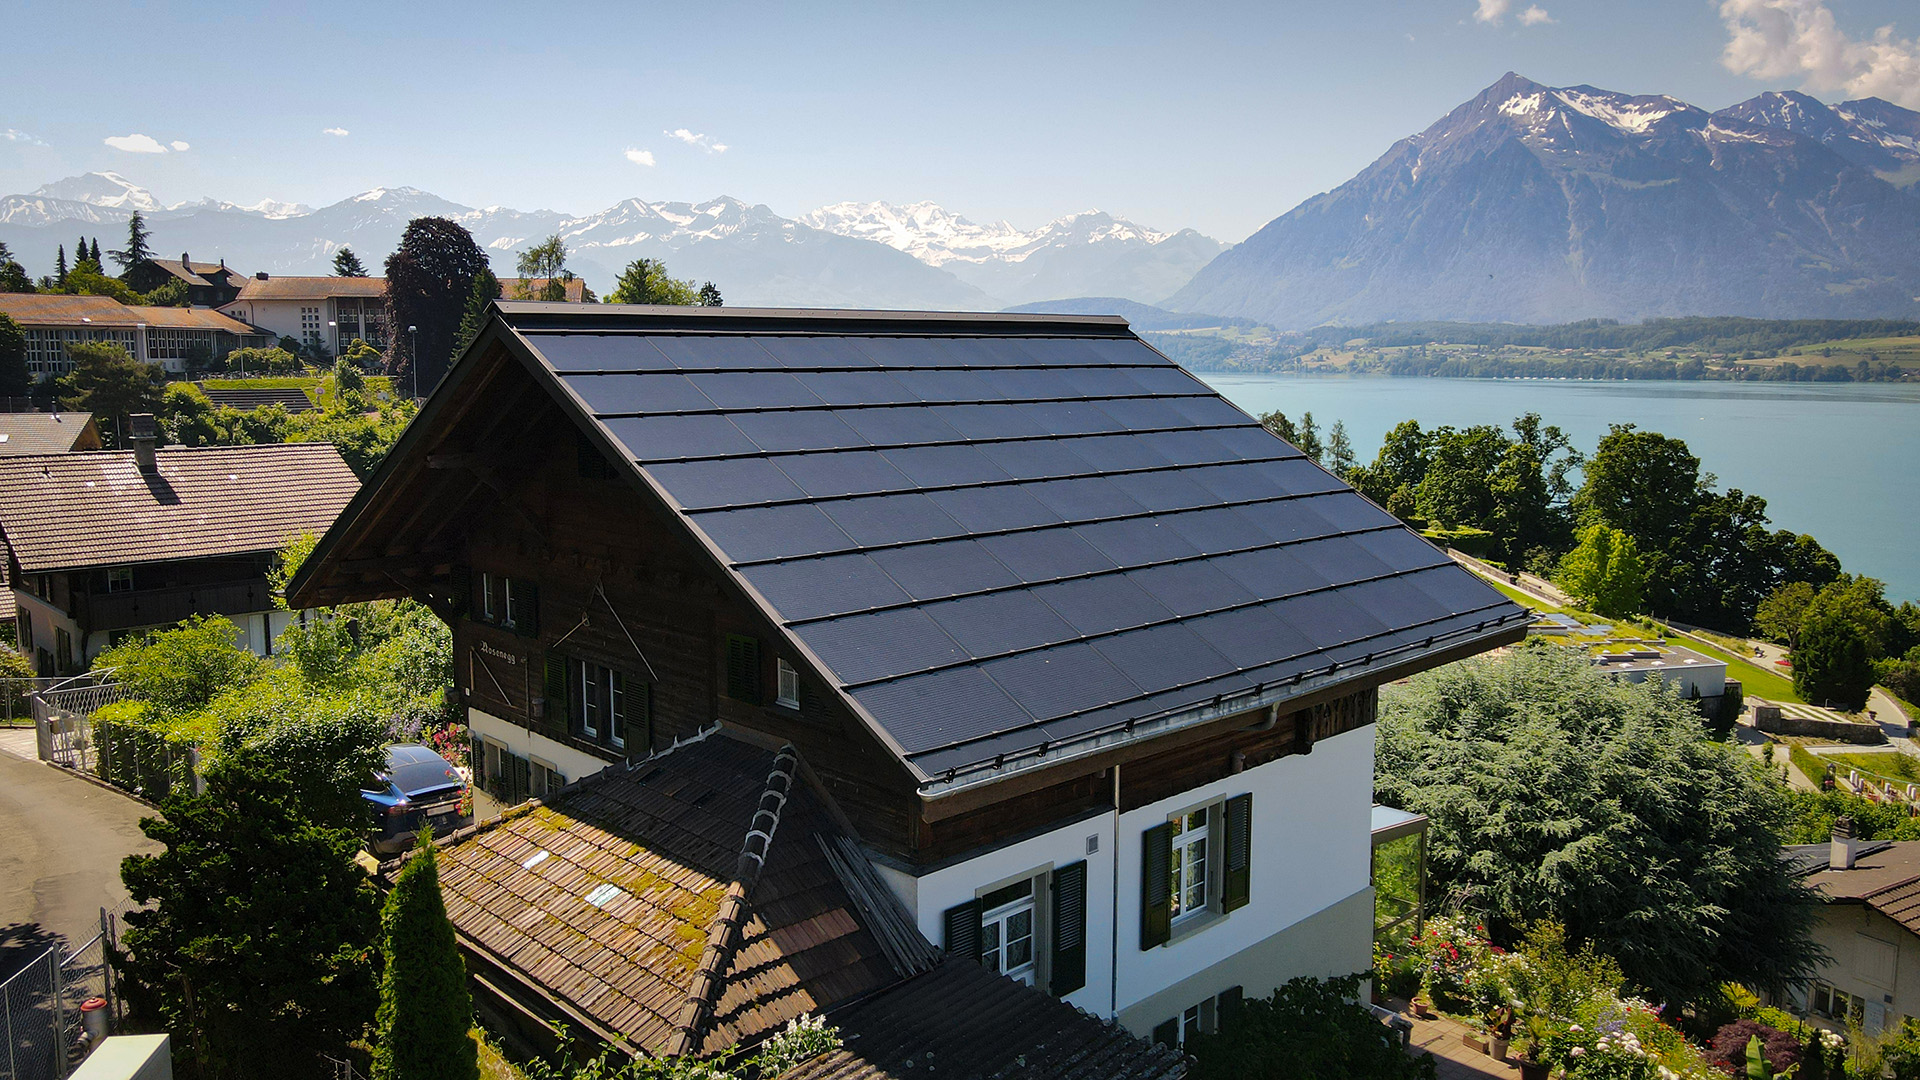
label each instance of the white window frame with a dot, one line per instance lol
(997, 926)
(507, 604)
(486, 596)
(119, 579)
(787, 691)
(1193, 864)
(616, 708)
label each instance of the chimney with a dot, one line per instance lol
(185, 263)
(1843, 848)
(142, 436)
(260, 276)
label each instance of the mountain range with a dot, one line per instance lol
(1532, 203)
(846, 255)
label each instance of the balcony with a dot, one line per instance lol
(156, 607)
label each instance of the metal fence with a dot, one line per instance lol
(41, 1007)
(60, 713)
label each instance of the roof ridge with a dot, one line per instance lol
(709, 978)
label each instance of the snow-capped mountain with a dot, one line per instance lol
(1088, 254)
(266, 208)
(108, 189)
(1532, 203)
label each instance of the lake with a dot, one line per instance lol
(1838, 461)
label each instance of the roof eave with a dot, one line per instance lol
(531, 314)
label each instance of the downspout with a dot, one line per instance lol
(1113, 925)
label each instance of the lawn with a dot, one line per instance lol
(272, 382)
(1902, 767)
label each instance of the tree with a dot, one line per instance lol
(1644, 483)
(1832, 662)
(109, 383)
(710, 295)
(136, 251)
(429, 278)
(1339, 450)
(14, 278)
(1779, 616)
(60, 265)
(1397, 469)
(545, 263)
(1304, 436)
(1556, 792)
(1309, 1029)
(486, 289)
(15, 381)
(181, 670)
(646, 281)
(347, 264)
(95, 253)
(1604, 573)
(256, 954)
(425, 1008)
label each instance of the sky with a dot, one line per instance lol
(1214, 116)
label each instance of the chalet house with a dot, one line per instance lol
(328, 312)
(103, 544)
(1082, 656)
(47, 433)
(1869, 928)
(208, 284)
(168, 336)
(514, 288)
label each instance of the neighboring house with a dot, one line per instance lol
(103, 544)
(513, 288)
(1085, 656)
(208, 284)
(1692, 675)
(328, 312)
(1870, 930)
(47, 433)
(168, 336)
(696, 902)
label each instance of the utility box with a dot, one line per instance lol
(128, 1057)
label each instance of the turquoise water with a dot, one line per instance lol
(1841, 462)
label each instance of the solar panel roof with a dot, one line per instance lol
(1003, 540)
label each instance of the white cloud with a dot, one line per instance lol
(691, 138)
(136, 144)
(1780, 39)
(16, 135)
(1534, 16)
(1492, 11)
(178, 145)
(640, 157)
(340, 131)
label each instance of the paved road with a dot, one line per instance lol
(61, 842)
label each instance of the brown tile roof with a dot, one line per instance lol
(198, 318)
(46, 433)
(1901, 903)
(50, 309)
(311, 288)
(660, 846)
(68, 511)
(963, 1022)
(510, 289)
(1886, 878)
(195, 273)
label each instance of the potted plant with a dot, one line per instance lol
(1530, 1053)
(1499, 1030)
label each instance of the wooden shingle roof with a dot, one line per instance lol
(615, 898)
(72, 511)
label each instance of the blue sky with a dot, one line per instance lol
(1214, 116)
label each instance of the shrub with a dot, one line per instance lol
(1310, 1029)
(425, 1007)
(182, 669)
(1729, 1045)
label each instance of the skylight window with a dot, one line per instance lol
(538, 857)
(604, 894)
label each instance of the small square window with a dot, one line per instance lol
(119, 579)
(789, 695)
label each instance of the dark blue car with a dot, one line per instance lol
(419, 787)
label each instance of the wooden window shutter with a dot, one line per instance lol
(1227, 1006)
(963, 930)
(1156, 886)
(743, 668)
(639, 716)
(526, 608)
(1237, 887)
(460, 584)
(522, 781)
(556, 686)
(1069, 929)
(1167, 1034)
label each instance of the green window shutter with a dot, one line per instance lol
(556, 686)
(1227, 1005)
(477, 761)
(1069, 929)
(1237, 887)
(639, 717)
(522, 779)
(1167, 1034)
(526, 608)
(963, 930)
(1156, 886)
(743, 668)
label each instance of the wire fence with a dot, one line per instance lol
(58, 1007)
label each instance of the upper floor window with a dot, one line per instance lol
(119, 579)
(1006, 931)
(602, 704)
(1032, 929)
(1198, 862)
(1188, 866)
(789, 688)
(512, 603)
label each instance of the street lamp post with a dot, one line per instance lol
(413, 362)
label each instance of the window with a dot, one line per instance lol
(1188, 883)
(607, 707)
(1201, 1018)
(1836, 1004)
(510, 603)
(119, 579)
(789, 694)
(63, 650)
(486, 597)
(26, 634)
(543, 780)
(1006, 931)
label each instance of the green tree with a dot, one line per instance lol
(363, 357)
(486, 289)
(87, 279)
(1397, 469)
(1779, 616)
(256, 953)
(14, 278)
(1339, 460)
(112, 385)
(1309, 1029)
(1644, 483)
(1554, 791)
(95, 253)
(425, 1009)
(1832, 661)
(1457, 488)
(347, 378)
(136, 251)
(646, 281)
(15, 381)
(429, 278)
(347, 264)
(60, 266)
(1604, 572)
(709, 295)
(545, 263)
(183, 669)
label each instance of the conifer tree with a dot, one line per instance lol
(96, 252)
(60, 266)
(425, 1007)
(136, 251)
(486, 289)
(347, 264)
(80, 250)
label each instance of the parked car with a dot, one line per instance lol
(419, 787)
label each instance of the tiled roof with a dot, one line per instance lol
(50, 309)
(1004, 535)
(1901, 903)
(196, 273)
(615, 899)
(198, 318)
(69, 511)
(41, 433)
(510, 288)
(311, 288)
(963, 1022)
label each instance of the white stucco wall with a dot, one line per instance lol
(573, 764)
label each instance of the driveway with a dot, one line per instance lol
(61, 842)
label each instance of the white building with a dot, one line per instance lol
(329, 312)
(168, 336)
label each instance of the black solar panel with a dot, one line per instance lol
(997, 541)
